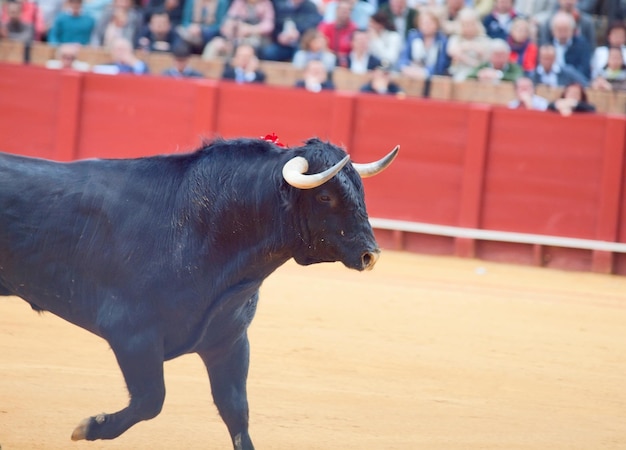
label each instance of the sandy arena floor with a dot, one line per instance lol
(421, 353)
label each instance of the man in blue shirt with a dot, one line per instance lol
(72, 26)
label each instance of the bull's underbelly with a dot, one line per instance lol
(186, 318)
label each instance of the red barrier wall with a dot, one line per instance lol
(461, 164)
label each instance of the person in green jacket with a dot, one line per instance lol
(499, 67)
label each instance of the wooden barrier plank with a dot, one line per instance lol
(342, 119)
(441, 88)
(94, 55)
(473, 176)
(280, 73)
(11, 51)
(411, 86)
(40, 53)
(481, 92)
(205, 117)
(256, 110)
(211, 68)
(159, 61)
(611, 190)
(602, 100)
(29, 97)
(68, 122)
(424, 184)
(130, 116)
(543, 173)
(346, 80)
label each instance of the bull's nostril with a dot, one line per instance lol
(369, 259)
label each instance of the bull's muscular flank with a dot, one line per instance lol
(163, 256)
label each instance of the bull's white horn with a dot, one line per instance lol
(293, 173)
(374, 168)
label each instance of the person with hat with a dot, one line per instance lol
(181, 54)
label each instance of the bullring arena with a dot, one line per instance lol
(421, 353)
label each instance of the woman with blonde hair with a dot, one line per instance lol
(469, 46)
(314, 45)
(425, 51)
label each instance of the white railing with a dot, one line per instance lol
(501, 236)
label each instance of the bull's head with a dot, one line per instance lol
(336, 228)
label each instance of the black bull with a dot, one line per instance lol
(163, 256)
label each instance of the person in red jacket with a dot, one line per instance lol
(523, 50)
(339, 33)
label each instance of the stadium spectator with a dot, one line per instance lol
(249, 22)
(123, 60)
(360, 59)
(482, 7)
(615, 37)
(525, 96)
(95, 8)
(583, 23)
(401, 14)
(48, 10)
(315, 78)
(385, 42)
(15, 29)
(120, 19)
(22, 20)
(158, 35)
(523, 50)
(425, 52)
(293, 19)
(613, 76)
(469, 48)
(448, 14)
(572, 100)
(173, 8)
(381, 83)
(339, 33)
(610, 10)
(202, 20)
(571, 49)
(498, 23)
(314, 46)
(537, 11)
(72, 26)
(244, 66)
(551, 73)
(360, 13)
(498, 68)
(67, 58)
(181, 54)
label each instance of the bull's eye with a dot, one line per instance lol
(323, 198)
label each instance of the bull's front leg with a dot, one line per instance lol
(228, 375)
(140, 357)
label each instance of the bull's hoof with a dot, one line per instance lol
(80, 432)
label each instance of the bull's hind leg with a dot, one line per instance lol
(140, 358)
(228, 376)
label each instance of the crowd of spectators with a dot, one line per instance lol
(563, 43)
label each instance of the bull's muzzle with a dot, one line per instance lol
(368, 259)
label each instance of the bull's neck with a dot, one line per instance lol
(247, 234)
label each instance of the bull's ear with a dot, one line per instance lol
(294, 169)
(374, 168)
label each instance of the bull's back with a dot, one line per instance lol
(63, 226)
